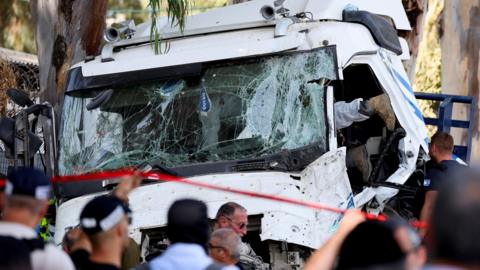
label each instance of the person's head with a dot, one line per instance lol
(26, 196)
(441, 147)
(455, 223)
(224, 246)
(105, 221)
(188, 222)
(371, 245)
(233, 216)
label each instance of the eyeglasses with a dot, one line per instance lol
(210, 246)
(240, 226)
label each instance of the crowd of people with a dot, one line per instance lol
(101, 240)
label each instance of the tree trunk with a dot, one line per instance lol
(416, 10)
(460, 60)
(66, 31)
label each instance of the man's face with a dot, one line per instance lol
(238, 222)
(217, 252)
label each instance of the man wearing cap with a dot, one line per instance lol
(105, 221)
(27, 191)
(187, 231)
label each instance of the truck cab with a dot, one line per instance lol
(244, 98)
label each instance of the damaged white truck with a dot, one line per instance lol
(244, 98)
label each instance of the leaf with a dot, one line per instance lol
(177, 11)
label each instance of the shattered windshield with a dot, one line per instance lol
(233, 111)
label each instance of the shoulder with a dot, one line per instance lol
(53, 258)
(453, 164)
(452, 167)
(160, 262)
(217, 266)
(231, 267)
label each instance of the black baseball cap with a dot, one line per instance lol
(28, 181)
(103, 213)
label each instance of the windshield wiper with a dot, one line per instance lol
(285, 160)
(156, 165)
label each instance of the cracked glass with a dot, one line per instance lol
(235, 110)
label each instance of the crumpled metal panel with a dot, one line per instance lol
(324, 181)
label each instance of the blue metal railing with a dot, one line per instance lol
(444, 120)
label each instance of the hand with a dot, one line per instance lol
(324, 257)
(350, 220)
(126, 185)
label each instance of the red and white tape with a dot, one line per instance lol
(96, 176)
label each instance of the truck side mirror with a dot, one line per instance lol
(7, 129)
(19, 97)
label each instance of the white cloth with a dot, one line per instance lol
(48, 258)
(347, 113)
(249, 259)
(182, 256)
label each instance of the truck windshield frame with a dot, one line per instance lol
(234, 110)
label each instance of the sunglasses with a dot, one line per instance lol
(240, 226)
(210, 246)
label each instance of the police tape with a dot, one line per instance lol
(104, 175)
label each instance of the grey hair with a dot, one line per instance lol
(230, 240)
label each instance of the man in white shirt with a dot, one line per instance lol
(27, 191)
(187, 231)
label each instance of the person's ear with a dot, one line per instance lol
(119, 230)
(222, 221)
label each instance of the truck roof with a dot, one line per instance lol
(232, 32)
(248, 15)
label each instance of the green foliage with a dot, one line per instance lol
(16, 29)
(428, 76)
(121, 10)
(177, 11)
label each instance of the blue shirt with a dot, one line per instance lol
(181, 256)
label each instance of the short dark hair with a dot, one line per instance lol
(227, 209)
(443, 141)
(188, 222)
(455, 222)
(371, 244)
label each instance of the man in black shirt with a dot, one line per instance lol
(440, 169)
(104, 229)
(105, 221)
